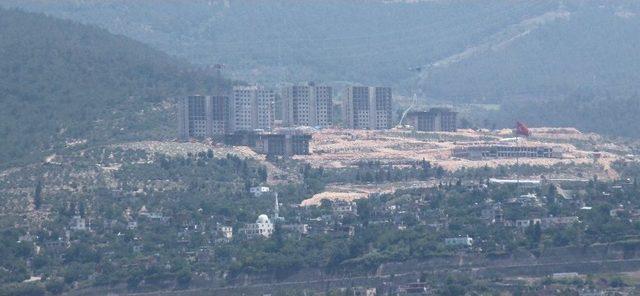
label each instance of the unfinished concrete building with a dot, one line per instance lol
(307, 105)
(219, 110)
(202, 116)
(251, 108)
(368, 108)
(434, 120)
(278, 144)
(285, 143)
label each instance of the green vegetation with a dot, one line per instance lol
(608, 115)
(182, 192)
(62, 82)
(177, 203)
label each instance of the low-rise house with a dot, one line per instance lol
(224, 232)
(565, 275)
(520, 183)
(526, 200)
(459, 241)
(28, 237)
(110, 223)
(343, 230)
(55, 247)
(524, 223)
(302, 229)
(343, 208)
(634, 215)
(131, 225)
(259, 190)
(204, 255)
(558, 221)
(154, 216)
(78, 223)
(415, 289)
(364, 291)
(548, 222)
(493, 215)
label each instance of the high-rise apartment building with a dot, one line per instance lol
(368, 107)
(307, 105)
(219, 108)
(251, 108)
(202, 116)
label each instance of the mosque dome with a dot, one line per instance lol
(263, 219)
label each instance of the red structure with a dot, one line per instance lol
(522, 130)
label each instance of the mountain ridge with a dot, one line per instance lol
(376, 42)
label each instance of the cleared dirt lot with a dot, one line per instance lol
(351, 192)
(339, 148)
(336, 148)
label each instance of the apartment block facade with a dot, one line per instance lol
(202, 116)
(307, 105)
(251, 108)
(367, 107)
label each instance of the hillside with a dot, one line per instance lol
(522, 55)
(480, 50)
(65, 84)
(585, 48)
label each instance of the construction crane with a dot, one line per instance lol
(414, 99)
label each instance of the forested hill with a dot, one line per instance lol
(63, 83)
(491, 50)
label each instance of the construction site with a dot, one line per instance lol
(336, 148)
(577, 154)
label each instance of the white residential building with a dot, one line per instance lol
(262, 228)
(459, 241)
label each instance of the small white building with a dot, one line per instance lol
(259, 190)
(262, 228)
(459, 241)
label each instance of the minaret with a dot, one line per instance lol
(277, 209)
